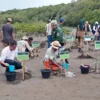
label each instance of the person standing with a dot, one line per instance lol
(61, 23)
(48, 31)
(57, 32)
(95, 28)
(80, 32)
(7, 32)
(87, 28)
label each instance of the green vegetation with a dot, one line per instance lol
(34, 19)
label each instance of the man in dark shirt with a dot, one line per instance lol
(7, 32)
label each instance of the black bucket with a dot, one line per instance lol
(10, 76)
(45, 73)
(85, 70)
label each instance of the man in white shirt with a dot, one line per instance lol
(50, 59)
(49, 31)
(9, 54)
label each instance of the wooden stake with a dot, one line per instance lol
(23, 71)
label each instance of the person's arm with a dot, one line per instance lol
(28, 47)
(4, 64)
(58, 65)
(13, 33)
(90, 28)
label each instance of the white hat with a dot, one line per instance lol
(54, 22)
(96, 22)
(24, 38)
(9, 19)
(55, 45)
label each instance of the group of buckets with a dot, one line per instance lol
(10, 73)
(46, 73)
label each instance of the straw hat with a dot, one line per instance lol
(24, 38)
(55, 45)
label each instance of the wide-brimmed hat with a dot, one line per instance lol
(55, 45)
(24, 38)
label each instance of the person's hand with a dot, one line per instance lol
(6, 64)
(60, 67)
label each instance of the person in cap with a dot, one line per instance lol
(57, 32)
(23, 45)
(48, 32)
(7, 32)
(95, 28)
(9, 56)
(50, 59)
(61, 23)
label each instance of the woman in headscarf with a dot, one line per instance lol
(80, 34)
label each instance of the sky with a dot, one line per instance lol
(22, 4)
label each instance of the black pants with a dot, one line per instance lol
(15, 63)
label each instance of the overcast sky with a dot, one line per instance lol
(21, 4)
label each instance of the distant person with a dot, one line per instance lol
(95, 28)
(57, 32)
(80, 35)
(23, 45)
(9, 56)
(87, 28)
(7, 32)
(48, 32)
(61, 23)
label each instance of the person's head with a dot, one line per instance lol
(86, 23)
(55, 45)
(62, 21)
(81, 24)
(25, 38)
(54, 24)
(96, 23)
(30, 40)
(9, 20)
(12, 45)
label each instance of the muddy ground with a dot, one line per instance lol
(82, 87)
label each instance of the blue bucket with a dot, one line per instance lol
(65, 65)
(11, 68)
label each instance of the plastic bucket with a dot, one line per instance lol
(11, 68)
(85, 70)
(10, 76)
(45, 73)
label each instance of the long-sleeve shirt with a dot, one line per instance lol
(57, 34)
(23, 45)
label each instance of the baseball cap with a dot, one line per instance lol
(62, 20)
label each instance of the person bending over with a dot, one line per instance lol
(9, 56)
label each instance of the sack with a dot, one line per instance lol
(80, 34)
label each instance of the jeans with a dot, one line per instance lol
(13, 62)
(49, 40)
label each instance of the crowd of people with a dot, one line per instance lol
(55, 36)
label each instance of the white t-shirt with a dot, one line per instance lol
(50, 54)
(22, 45)
(8, 54)
(48, 29)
